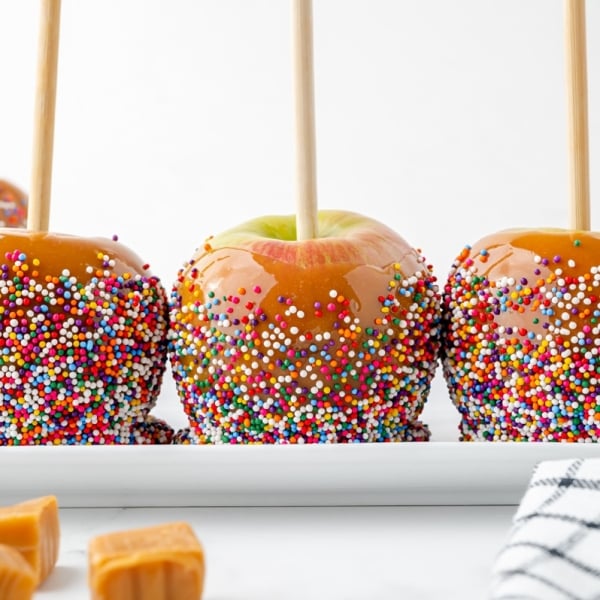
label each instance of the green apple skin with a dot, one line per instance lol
(332, 339)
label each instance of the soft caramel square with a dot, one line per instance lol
(33, 529)
(17, 579)
(164, 562)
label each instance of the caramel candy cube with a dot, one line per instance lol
(17, 579)
(165, 562)
(32, 528)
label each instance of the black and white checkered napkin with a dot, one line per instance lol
(553, 550)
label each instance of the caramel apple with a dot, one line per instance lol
(83, 328)
(13, 206)
(521, 341)
(332, 339)
(83, 322)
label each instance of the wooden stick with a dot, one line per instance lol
(578, 113)
(38, 217)
(306, 191)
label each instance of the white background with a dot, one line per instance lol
(445, 119)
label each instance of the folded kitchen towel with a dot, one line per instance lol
(553, 549)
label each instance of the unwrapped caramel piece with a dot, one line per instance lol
(32, 528)
(165, 562)
(17, 579)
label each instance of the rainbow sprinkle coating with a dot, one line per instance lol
(521, 342)
(81, 362)
(310, 370)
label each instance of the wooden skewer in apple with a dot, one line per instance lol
(523, 313)
(44, 116)
(577, 102)
(306, 156)
(83, 323)
(318, 327)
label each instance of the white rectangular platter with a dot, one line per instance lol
(434, 473)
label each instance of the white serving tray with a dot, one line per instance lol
(433, 473)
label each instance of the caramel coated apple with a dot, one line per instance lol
(521, 341)
(333, 339)
(83, 328)
(13, 206)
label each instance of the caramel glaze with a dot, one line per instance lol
(59, 251)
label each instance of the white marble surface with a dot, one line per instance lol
(416, 553)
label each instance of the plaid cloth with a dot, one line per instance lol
(553, 550)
